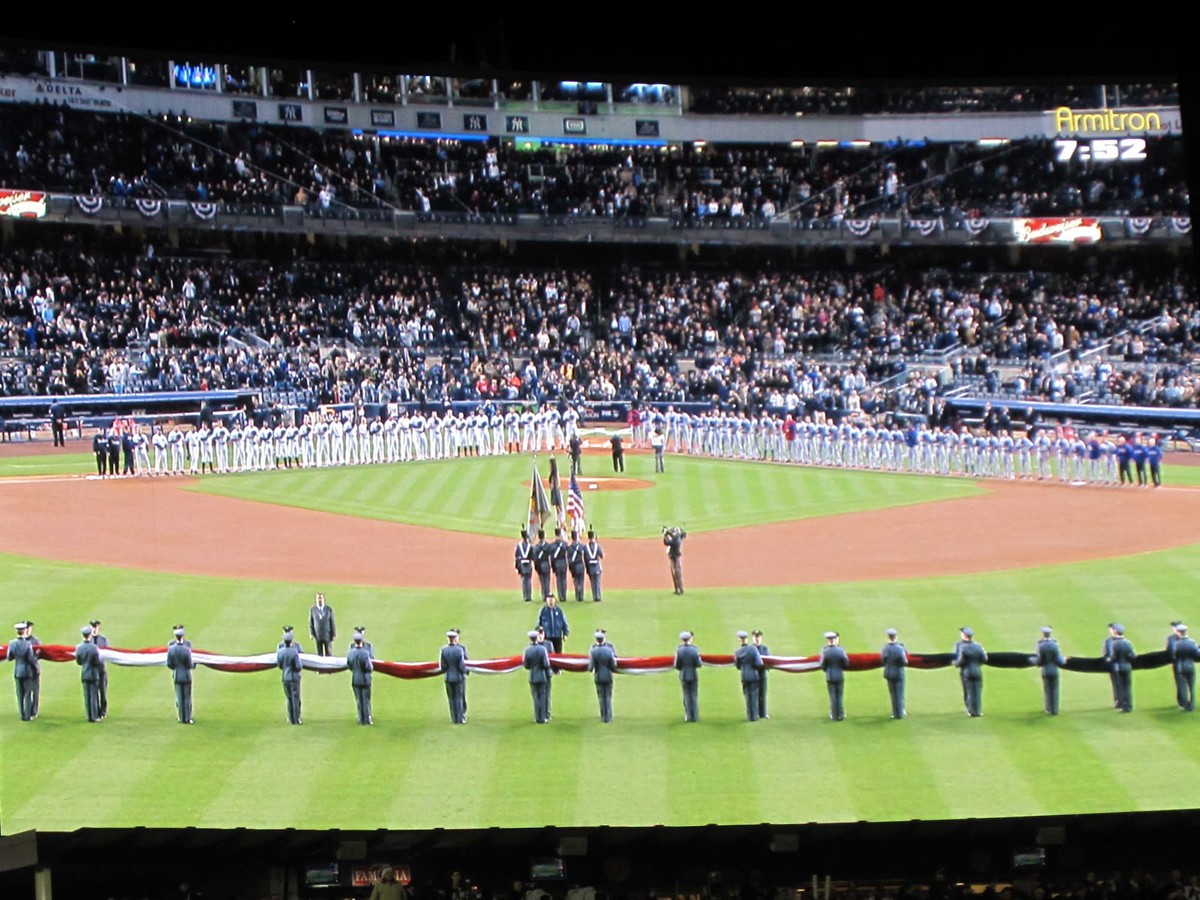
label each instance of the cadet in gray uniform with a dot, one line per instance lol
(834, 662)
(559, 558)
(1184, 655)
(1049, 659)
(895, 667)
(537, 661)
(749, 665)
(358, 661)
(24, 660)
(287, 657)
(181, 664)
(1180, 682)
(688, 663)
(523, 559)
(453, 666)
(87, 657)
(1120, 659)
(101, 642)
(593, 553)
(578, 564)
(970, 658)
(763, 650)
(602, 663)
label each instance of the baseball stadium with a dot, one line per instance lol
(800, 376)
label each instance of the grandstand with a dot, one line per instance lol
(258, 239)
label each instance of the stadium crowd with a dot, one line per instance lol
(78, 320)
(247, 165)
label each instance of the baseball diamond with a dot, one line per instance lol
(793, 551)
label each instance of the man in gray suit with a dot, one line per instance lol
(287, 657)
(1120, 660)
(750, 665)
(453, 666)
(24, 660)
(688, 663)
(1049, 659)
(602, 663)
(181, 664)
(970, 659)
(87, 657)
(834, 662)
(537, 661)
(358, 661)
(321, 625)
(895, 665)
(101, 642)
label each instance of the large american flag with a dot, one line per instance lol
(575, 513)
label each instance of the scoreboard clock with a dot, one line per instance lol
(1101, 150)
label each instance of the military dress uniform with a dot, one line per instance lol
(1184, 655)
(87, 657)
(542, 562)
(558, 558)
(537, 661)
(287, 657)
(763, 651)
(577, 561)
(895, 665)
(602, 663)
(1049, 660)
(453, 665)
(1120, 659)
(970, 659)
(1180, 684)
(181, 664)
(358, 661)
(688, 663)
(24, 660)
(593, 553)
(835, 662)
(101, 643)
(749, 664)
(523, 560)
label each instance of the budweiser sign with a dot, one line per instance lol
(1077, 230)
(22, 204)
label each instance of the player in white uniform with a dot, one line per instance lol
(175, 441)
(141, 452)
(159, 441)
(192, 439)
(512, 430)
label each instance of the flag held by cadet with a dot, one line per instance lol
(575, 514)
(539, 504)
(556, 499)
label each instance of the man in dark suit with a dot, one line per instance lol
(602, 663)
(24, 661)
(618, 453)
(87, 657)
(559, 553)
(542, 561)
(58, 418)
(749, 665)
(1184, 655)
(321, 625)
(358, 661)
(575, 445)
(553, 621)
(1049, 660)
(834, 662)
(101, 643)
(453, 667)
(523, 559)
(757, 637)
(895, 665)
(1120, 659)
(687, 664)
(287, 657)
(970, 659)
(593, 554)
(537, 662)
(181, 664)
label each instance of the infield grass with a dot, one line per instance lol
(241, 765)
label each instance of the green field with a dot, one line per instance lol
(241, 765)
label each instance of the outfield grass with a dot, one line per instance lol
(241, 765)
(491, 495)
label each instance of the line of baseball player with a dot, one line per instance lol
(543, 658)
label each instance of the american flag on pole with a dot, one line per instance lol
(575, 514)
